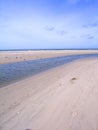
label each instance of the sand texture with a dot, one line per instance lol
(16, 56)
(63, 98)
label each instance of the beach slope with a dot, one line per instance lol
(63, 98)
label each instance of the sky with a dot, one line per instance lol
(48, 24)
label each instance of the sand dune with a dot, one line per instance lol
(16, 56)
(64, 98)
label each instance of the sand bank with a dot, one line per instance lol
(16, 56)
(64, 98)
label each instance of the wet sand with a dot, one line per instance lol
(16, 56)
(63, 98)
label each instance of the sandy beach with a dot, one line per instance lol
(62, 98)
(16, 56)
(48, 64)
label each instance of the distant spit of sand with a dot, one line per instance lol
(16, 56)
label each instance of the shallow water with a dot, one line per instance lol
(13, 72)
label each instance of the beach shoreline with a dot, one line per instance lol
(58, 99)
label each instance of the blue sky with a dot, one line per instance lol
(38, 24)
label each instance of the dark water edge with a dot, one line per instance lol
(1, 50)
(13, 72)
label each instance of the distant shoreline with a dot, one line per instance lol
(47, 49)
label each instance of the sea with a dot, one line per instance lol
(13, 72)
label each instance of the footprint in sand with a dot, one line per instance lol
(74, 114)
(73, 80)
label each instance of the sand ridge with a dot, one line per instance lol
(17, 56)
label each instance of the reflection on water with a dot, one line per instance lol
(13, 72)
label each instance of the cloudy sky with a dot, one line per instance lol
(37, 24)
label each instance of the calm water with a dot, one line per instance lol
(12, 72)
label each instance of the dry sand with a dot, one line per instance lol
(63, 98)
(16, 56)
